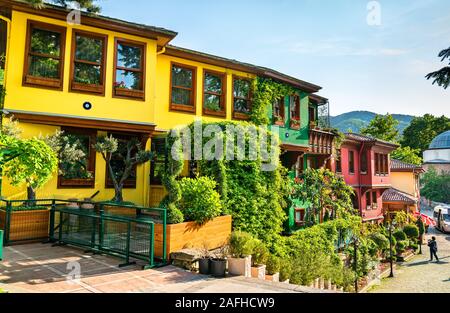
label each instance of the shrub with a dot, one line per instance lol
(414, 246)
(372, 247)
(241, 244)
(174, 215)
(260, 252)
(401, 246)
(380, 240)
(200, 202)
(411, 231)
(273, 264)
(285, 269)
(399, 235)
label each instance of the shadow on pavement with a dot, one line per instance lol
(428, 262)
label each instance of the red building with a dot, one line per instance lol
(364, 163)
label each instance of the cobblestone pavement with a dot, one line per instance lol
(45, 269)
(419, 275)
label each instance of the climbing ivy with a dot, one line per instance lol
(265, 93)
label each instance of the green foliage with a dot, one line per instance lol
(324, 189)
(260, 253)
(34, 164)
(436, 186)
(407, 155)
(130, 154)
(285, 269)
(381, 241)
(442, 76)
(401, 246)
(27, 208)
(421, 226)
(241, 244)
(200, 202)
(399, 235)
(401, 219)
(422, 130)
(411, 231)
(383, 127)
(273, 264)
(88, 5)
(265, 93)
(174, 215)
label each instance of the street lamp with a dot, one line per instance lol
(391, 261)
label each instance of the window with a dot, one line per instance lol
(364, 163)
(386, 164)
(351, 162)
(118, 163)
(159, 162)
(338, 162)
(129, 69)
(241, 98)
(182, 87)
(368, 200)
(80, 174)
(294, 111)
(44, 59)
(377, 164)
(381, 164)
(214, 93)
(312, 115)
(299, 216)
(88, 62)
(374, 199)
(278, 112)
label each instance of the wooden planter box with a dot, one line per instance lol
(27, 225)
(213, 234)
(111, 226)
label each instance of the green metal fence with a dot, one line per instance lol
(125, 231)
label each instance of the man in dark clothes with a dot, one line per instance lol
(433, 248)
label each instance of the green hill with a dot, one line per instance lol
(355, 120)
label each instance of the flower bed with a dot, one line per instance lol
(212, 234)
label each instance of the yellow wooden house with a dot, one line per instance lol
(107, 76)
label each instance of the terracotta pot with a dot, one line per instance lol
(273, 278)
(259, 272)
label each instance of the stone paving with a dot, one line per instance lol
(419, 275)
(42, 268)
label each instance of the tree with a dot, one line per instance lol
(131, 155)
(88, 5)
(383, 127)
(407, 155)
(442, 76)
(436, 186)
(323, 189)
(34, 164)
(422, 130)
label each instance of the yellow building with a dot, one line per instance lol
(107, 76)
(405, 192)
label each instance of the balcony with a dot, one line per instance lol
(320, 141)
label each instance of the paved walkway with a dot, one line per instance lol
(419, 275)
(43, 268)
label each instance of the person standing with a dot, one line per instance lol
(433, 248)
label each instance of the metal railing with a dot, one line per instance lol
(125, 231)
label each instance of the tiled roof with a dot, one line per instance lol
(395, 195)
(364, 138)
(402, 166)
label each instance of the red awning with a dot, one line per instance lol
(426, 219)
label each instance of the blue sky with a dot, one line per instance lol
(326, 42)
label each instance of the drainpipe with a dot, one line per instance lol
(163, 50)
(359, 178)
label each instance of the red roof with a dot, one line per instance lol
(400, 166)
(395, 195)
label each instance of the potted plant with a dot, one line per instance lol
(259, 258)
(219, 263)
(273, 265)
(279, 120)
(241, 249)
(295, 123)
(204, 263)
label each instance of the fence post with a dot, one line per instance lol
(152, 243)
(101, 231)
(51, 234)
(7, 222)
(164, 258)
(127, 251)
(60, 233)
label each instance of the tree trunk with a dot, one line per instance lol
(118, 197)
(31, 196)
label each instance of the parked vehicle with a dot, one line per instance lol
(441, 216)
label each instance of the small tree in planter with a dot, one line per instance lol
(273, 266)
(259, 258)
(132, 155)
(241, 249)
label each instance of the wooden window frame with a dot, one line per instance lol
(281, 103)
(223, 95)
(364, 158)
(374, 199)
(129, 183)
(297, 222)
(236, 114)
(88, 88)
(296, 99)
(377, 164)
(351, 162)
(132, 94)
(43, 82)
(81, 183)
(181, 107)
(339, 161)
(369, 201)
